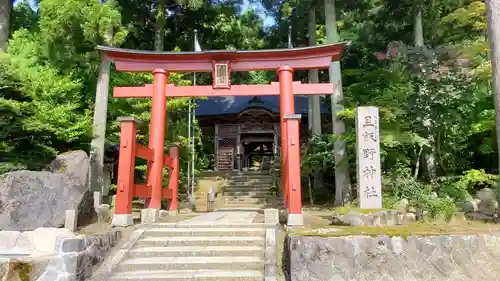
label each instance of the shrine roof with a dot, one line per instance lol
(232, 105)
(313, 57)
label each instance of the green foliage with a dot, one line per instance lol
(48, 79)
(460, 188)
(399, 183)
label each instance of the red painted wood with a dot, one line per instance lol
(315, 57)
(293, 167)
(157, 136)
(126, 164)
(287, 106)
(235, 90)
(144, 191)
(144, 152)
(173, 181)
(167, 161)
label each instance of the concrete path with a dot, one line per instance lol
(223, 217)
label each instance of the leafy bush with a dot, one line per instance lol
(421, 196)
(459, 188)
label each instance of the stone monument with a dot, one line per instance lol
(368, 158)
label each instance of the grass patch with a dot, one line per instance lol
(417, 228)
(351, 209)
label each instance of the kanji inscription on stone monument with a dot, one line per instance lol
(368, 158)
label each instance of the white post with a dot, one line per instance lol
(368, 158)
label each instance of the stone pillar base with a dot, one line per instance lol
(149, 216)
(173, 212)
(295, 220)
(271, 216)
(123, 220)
(70, 221)
(283, 215)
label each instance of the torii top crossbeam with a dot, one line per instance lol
(315, 57)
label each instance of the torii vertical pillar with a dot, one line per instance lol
(292, 166)
(287, 106)
(126, 163)
(157, 130)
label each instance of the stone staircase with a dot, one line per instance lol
(249, 190)
(195, 251)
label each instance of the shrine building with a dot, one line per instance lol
(246, 129)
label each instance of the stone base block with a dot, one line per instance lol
(123, 220)
(173, 212)
(97, 199)
(283, 215)
(70, 221)
(295, 220)
(271, 216)
(149, 216)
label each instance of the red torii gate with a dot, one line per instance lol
(220, 63)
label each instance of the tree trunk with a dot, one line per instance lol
(314, 101)
(429, 154)
(160, 25)
(5, 12)
(493, 21)
(417, 27)
(314, 117)
(99, 128)
(311, 198)
(342, 180)
(96, 178)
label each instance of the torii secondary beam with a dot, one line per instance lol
(236, 90)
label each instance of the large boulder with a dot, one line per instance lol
(488, 207)
(486, 194)
(468, 206)
(29, 199)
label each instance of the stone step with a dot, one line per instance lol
(251, 179)
(254, 177)
(251, 173)
(233, 206)
(191, 275)
(200, 241)
(247, 188)
(246, 196)
(247, 185)
(196, 251)
(261, 192)
(246, 200)
(207, 225)
(229, 231)
(191, 263)
(255, 207)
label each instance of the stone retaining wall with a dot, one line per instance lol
(78, 257)
(40, 241)
(417, 258)
(271, 219)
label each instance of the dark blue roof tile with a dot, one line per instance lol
(233, 105)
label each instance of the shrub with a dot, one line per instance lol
(421, 196)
